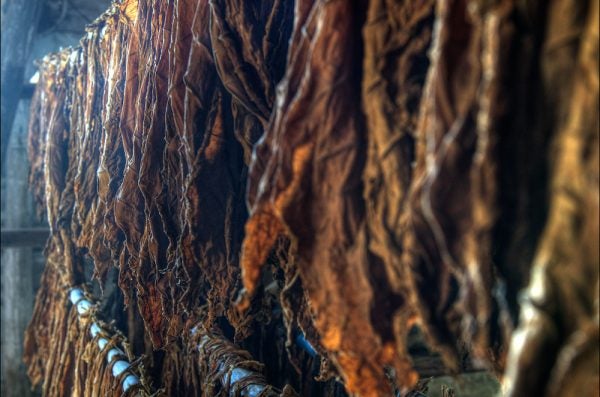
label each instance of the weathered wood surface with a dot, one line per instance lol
(17, 278)
(19, 19)
(24, 237)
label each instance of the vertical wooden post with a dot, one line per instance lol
(19, 21)
(17, 278)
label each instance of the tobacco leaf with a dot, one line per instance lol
(397, 39)
(554, 350)
(465, 178)
(395, 158)
(305, 180)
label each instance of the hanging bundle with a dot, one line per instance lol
(363, 173)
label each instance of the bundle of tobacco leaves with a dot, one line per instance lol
(554, 351)
(356, 172)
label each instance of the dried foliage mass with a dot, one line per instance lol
(387, 166)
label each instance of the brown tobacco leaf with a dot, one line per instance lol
(250, 63)
(60, 350)
(396, 38)
(172, 171)
(152, 182)
(213, 211)
(250, 42)
(396, 42)
(56, 161)
(151, 129)
(554, 351)
(395, 181)
(86, 124)
(106, 236)
(49, 313)
(439, 195)
(46, 353)
(121, 153)
(140, 195)
(306, 176)
(36, 145)
(262, 230)
(453, 206)
(123, 217)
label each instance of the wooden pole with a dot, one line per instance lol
(17, 263)
(19, 21)
(24, 237)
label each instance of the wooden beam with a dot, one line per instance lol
(28, 237)
(19, 22)
(17, 270)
